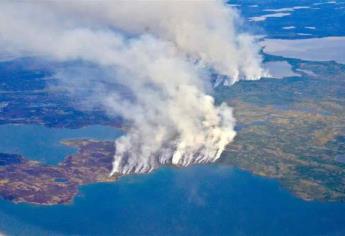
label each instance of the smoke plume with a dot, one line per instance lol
(161, 53)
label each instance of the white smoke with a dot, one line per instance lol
(161, 52)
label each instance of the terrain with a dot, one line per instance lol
(290, 129)
(22, 180)
(293, 130)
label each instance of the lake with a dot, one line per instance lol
(200, 200)
(43, 144)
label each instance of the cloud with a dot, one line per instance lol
(149, 62)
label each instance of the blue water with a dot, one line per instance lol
(43, 144)
(201, 200)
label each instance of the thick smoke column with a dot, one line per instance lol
(205, 30)
(161, 52)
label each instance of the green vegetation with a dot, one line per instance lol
(293, 130)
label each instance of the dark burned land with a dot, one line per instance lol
(292, 130)
(23, 180)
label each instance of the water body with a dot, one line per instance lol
(43, 144)
(340, 158)
(280, 69)
(313, 49)
(200, 200)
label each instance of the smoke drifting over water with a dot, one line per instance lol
(161, 52)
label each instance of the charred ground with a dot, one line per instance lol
(290, 129)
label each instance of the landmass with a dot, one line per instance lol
(296, 147)
(23, 180)
(28, 96)
(292, 130)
